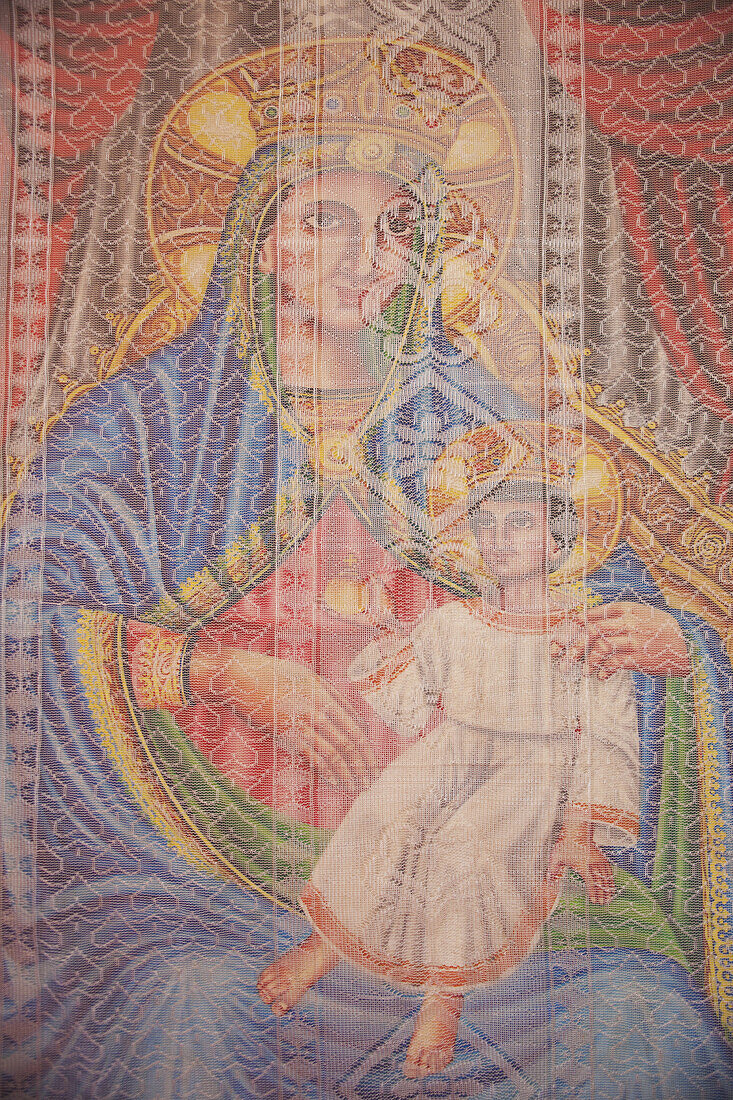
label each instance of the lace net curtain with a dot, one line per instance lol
(202, 490)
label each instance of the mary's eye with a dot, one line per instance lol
(400, 220)
(486, 522)
(327, 217)
(397, 226)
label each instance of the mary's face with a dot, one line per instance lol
(341, 247)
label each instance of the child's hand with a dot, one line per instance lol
(380, 610)
(576, 850)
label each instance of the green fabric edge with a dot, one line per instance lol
(665, 917)
(677, 873)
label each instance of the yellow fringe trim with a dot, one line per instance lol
(715, 885)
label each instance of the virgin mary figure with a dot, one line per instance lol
(214, 534)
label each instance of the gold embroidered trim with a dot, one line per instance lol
(244, 561)
(156, 659)
(208, 856)
(245, 558)
(99, 638)
(715, 885)
(202, 593)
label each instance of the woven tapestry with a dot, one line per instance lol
(367, 531)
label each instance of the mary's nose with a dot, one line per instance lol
(360, 256)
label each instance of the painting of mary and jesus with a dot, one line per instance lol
(368, 734)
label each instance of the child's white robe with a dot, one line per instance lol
(438, 874)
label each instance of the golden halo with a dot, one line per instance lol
(561, 456)
(327, 88)
(597, 490)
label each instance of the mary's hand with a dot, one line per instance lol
(289, 700)
(629, 635)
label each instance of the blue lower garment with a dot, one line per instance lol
(163, 1004)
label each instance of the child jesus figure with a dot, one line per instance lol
(444, 870)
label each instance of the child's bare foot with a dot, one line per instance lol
(434, 1038)
(287, 979)
(577, 851)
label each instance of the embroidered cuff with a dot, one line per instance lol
(157, 661)
(611, 826)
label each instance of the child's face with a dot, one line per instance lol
(514, 538)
